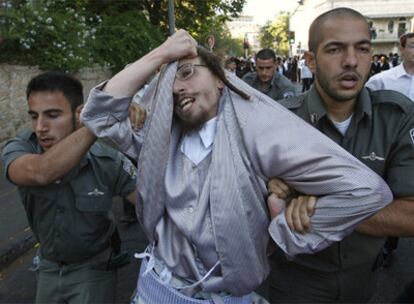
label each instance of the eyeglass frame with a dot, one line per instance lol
(188, 64)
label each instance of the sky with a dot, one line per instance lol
(264, 10)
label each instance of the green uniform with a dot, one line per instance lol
(381, 135)
(279, 87)
(73, 221)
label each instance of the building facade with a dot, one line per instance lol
(244, 27)
(388, 19)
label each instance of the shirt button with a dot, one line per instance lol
(194, 167)
(190, 209)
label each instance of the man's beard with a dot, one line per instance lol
(193, 125)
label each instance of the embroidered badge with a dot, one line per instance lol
(373, 156)
(129, 167)
(95, 192)
(412, 135)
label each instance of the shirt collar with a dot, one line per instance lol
(317, 108)
(400, 71)
(207, 132)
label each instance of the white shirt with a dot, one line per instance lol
(343, 125)
(197, 145)
(396, 79)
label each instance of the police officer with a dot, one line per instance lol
(376, 127)
(66, 183)
(266, 78)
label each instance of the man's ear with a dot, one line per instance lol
(78, 111)
(310, 61)
(220, 85)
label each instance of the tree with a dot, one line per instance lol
(193, 15)
(274, 34)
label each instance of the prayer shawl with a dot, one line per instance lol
(255, 139)
(232, 184)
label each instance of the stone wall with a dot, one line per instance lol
(13, 104)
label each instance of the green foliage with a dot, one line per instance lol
(61, 35)
(123, 38)
(274, 34)
(71, 34)
(50, 34)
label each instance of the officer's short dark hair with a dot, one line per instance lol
(265, 54)
(57, 82)
(315, 30)
(403, 38)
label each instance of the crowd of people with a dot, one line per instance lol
(240, 183)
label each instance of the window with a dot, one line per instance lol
(391, 26)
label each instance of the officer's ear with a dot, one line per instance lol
(78, 111)
(310, 60)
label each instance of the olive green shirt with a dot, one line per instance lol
(72, 217)
(381, 135)
(279, 87)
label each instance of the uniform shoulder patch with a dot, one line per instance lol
(293, 102)
(25, 134)
(393, 98)
(102, 150)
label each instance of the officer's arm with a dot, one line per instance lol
(45, 168)
(394, 220)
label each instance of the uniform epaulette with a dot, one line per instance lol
(292, 102)
(25, 134)
(102, 150)
(393, 98)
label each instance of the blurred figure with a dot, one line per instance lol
(266, 79)
(231, 65)
(401, 77)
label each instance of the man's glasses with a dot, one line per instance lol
(185, 71)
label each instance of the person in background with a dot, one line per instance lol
(266, 79)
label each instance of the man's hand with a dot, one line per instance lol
(178, 46)
(137, 116)
(299, 211)
(281, 189)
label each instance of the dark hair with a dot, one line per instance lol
(265, 54)
(315, 32)
(214, 64)
(403, 38)
(57, 82)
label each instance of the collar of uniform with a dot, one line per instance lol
(273, 81)
(317, 109)
(364, 105)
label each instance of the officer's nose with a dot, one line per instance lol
(350, 58)
(41, 124)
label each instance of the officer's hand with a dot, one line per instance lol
(299, 212)
(137, 116)
(275, 204)
(279, 188)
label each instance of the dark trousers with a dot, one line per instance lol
(290, 282)
(306, 84)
